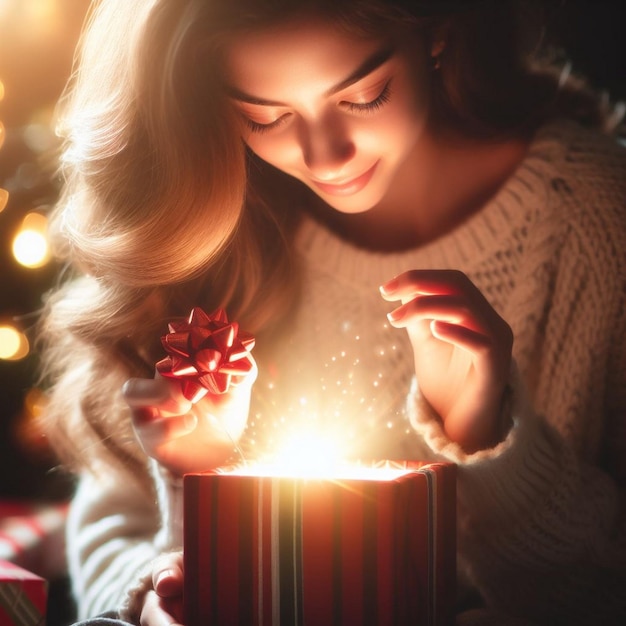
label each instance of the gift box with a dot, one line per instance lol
(375, 547)
(23, 596)
(32, 536)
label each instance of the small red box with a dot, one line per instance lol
(23, 597)
(264, 550)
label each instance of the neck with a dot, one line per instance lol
(443, 183)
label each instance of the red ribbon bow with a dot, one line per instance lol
(205, 352)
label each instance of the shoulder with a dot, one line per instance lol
(584, 178)
(587, 164)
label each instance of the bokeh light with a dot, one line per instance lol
(39, 16)
(4, 199)
(29, 429)
(30, 245)
(38, 137)
(13, 344)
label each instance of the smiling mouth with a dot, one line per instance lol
(348, 188)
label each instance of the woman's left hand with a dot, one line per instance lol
(462, 351)
(163, 604)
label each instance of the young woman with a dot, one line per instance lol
(423, 226)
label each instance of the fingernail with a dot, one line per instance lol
(144, 415)
(389, 286)
(396, 315)
(167, 573)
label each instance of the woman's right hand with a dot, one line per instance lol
(185, 437)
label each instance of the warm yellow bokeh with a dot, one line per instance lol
(4, 199)
(37, 17)
(13, 344)
(30, 245)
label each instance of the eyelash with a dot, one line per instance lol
(255, 127)
(352, 107)
(374, 105)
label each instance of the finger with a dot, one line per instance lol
(247, 379)
(154, 613)
(145, 391)
(154, 433)
(158, 393)
(167, 576)
(424, 282)
(460, 336)
(451, 309)
(487, 357)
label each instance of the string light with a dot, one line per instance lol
(13, 344)
(30, 245)
(4, 199)
(38, 17)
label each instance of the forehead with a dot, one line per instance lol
(302, 49)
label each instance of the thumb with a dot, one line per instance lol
(167, 575)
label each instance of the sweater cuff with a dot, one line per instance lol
(509, 479)
(427, 423)
(131, 610)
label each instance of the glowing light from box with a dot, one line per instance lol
(307, 453)
(30, 245)
(4, 199)
(13, 344)
(312, 455)
(2, 133)
(338, 473)
(1, 91)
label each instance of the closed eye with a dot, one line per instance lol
(257, 127)
(372, 105)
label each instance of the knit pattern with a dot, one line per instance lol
(539, 529)
(539, 534)
(547, 252)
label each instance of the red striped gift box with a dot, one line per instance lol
(33, 536)
(279, 551)
(23, 596)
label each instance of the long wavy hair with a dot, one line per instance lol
(163, 208)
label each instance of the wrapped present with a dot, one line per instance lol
(23, 596)
(32, 536)
(375, 547)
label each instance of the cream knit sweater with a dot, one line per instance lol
(541, 530)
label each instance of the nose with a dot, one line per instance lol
(326, 147)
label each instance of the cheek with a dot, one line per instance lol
(393, 134)
(278, 151)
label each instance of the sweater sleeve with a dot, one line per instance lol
(115, 531)
(541, 534)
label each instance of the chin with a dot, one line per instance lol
(359, 202)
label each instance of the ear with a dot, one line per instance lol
(438, 38)
(437, 47)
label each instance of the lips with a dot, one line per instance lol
(349, 187)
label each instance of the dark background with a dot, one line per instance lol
(36, 47)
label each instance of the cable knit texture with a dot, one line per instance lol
(540, 533)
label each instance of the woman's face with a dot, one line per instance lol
(341, 114)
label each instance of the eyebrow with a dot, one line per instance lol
(373, 62)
